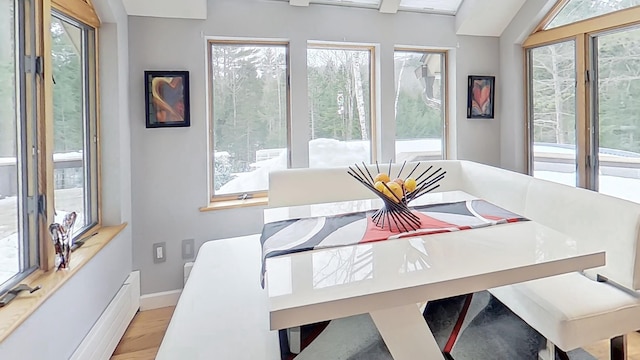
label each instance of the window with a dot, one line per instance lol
(615, 117)
(339, 86)
(74, 120)
(18, 253)
(250, 116)
(35, 179)
(583, 90)
(553, 111)
(576, 10)
(419, 105)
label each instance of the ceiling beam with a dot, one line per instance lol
(389, 6)
(185, 9)
(299, 2)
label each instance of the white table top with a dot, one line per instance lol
(330, 283)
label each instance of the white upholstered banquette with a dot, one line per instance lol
(570, 310)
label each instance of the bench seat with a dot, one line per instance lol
(573, 310)
(223, 312)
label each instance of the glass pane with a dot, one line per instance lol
(339, 106)
(419, 106)
(69, 109)
(250, 107)
(357, 3)
(442, 6)
(553, 101)
(9, 169)
(618, 95)
(577, 10)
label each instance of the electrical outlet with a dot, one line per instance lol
(159, 252)
(188, 249)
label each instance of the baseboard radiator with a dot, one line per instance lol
(103, 338)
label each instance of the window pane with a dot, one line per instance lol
(576, 10)
(553, 93)
(69, 109)
(250, 107)
(618, 105)
(419, 106)
(9, 166)
(339, 106)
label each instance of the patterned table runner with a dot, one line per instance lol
(296, 235)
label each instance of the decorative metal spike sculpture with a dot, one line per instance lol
(396, 195)
(61, 236)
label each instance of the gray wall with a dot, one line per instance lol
(169, 166)
(512, 83)
(57, 327)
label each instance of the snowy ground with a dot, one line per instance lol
(66, 200)
(324, 153)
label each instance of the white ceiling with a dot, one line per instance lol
(486, 17)
(473, 17)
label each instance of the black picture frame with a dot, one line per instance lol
(167, 99)
(481, 97)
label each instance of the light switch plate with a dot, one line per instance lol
(188, 249)
(159, 252)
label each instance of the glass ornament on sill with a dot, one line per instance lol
(395, 215)
(61, 237)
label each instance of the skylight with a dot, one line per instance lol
(356, 3)
(576, 10)
(436, 6)
(448, 7)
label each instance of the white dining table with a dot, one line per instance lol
(390, 279)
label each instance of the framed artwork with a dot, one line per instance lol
(167, 98)
(480, 97)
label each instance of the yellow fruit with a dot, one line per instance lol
(410, 184)
(379, 185)
(399, 181)
(396, 189)
(382, 177)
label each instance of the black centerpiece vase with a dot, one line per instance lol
(395, 214)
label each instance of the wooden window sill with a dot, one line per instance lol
(18, 310)
(230, 204)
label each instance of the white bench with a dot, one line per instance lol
(571, 310)
(223, 311)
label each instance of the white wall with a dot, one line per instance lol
(512, 83)
(57, 327)
(169, 166)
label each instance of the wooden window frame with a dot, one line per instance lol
(83, 12)
(446, 151)
(582, 32)
(372, 83)
(253, 197)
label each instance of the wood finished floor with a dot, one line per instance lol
(144, 335)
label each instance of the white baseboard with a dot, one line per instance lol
(159, 300)
(104, 336)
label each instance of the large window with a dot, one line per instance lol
(339, 85)
(48, 137)
(616, 113)
(583, 90)
(552, 80)
(576, 10)
(74, 120)
(419, 105)
(17, 256)
(250, 103)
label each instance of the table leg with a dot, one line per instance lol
(406, 333)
